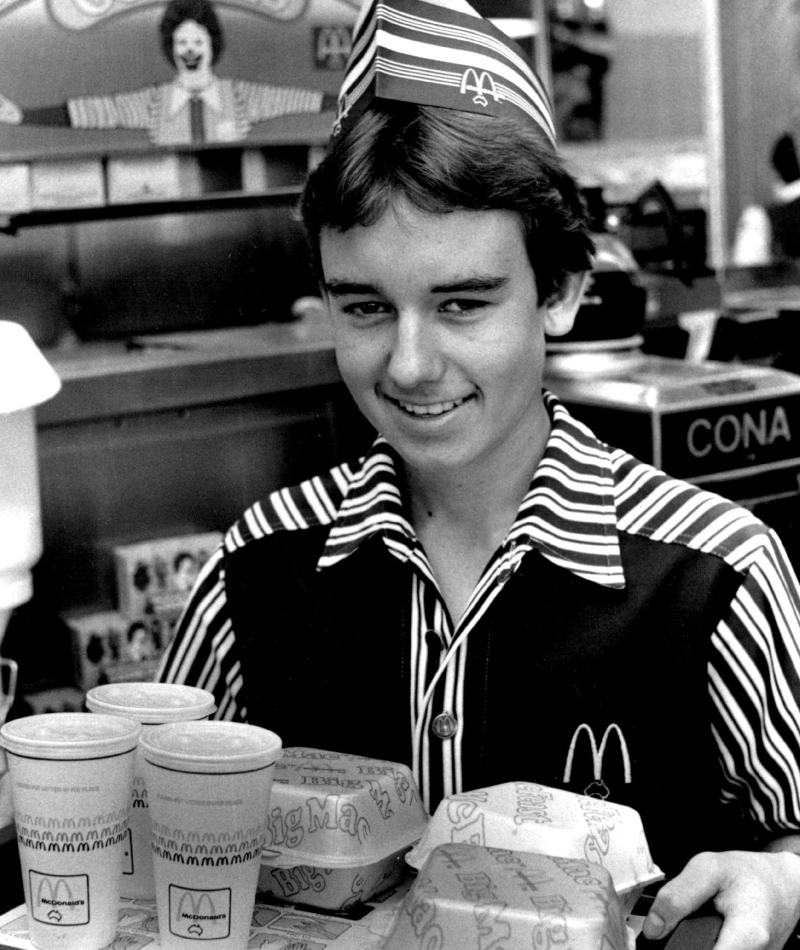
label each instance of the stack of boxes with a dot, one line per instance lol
(96, 182)
(153, 580)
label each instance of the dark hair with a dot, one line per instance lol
(202, 12)
(444, 160)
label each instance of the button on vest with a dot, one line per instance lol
(444, 726)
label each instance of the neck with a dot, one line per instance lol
(462, 517)
(196, 82)
(481, 500)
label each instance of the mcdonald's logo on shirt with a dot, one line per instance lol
(598, 787)
(61, 900)
(197, 914)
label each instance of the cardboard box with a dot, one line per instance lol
(107, 647)
(57, 699)
(263, 169)
(143, 178)
(15, 188)
(155, 578)
(71, 183)
(729, 427)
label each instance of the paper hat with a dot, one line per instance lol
(439, 53)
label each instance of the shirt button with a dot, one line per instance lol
(444, 726)
(433, 639)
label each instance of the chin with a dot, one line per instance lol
(435, 459)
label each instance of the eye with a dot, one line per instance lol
(366, 308)
(462, 306)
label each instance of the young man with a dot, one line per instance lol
(491, 594)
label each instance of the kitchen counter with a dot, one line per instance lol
(179, 370)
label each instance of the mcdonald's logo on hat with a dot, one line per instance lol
(472, 82)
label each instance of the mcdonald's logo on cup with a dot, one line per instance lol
(199, 914)
(61, 900)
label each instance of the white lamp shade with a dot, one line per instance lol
(20, 510)
(26, 378)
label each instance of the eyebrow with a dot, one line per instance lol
(480, 284)
(349, 288)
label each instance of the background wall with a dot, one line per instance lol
(174, 271)
(655, 87)
(761, 99)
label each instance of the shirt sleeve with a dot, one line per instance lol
(204, 651)
(754, 683)
(262, 102)
(127, 110)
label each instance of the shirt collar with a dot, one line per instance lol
(179, 97)
(568, 515)
(372, 505)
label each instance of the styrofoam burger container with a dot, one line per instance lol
(467, 894)
(524, 816)
(338, 827)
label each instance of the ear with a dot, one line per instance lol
(562, 308)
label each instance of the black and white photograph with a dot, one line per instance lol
(399, 474)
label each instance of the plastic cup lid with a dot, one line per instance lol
(211, 746)
(69, 736)
(151, 702)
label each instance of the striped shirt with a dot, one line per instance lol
(230, 109)
(583, 496)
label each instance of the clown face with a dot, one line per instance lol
(192, 53)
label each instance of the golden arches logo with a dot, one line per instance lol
(48, 892)
(482, 84)
(199, 914)
(196, 905)
(59, 900)
(598, 752)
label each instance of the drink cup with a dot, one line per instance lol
(208, 786)
(71, 777)
(149, 704)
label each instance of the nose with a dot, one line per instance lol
(415, 357)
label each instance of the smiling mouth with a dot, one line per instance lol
(428, 410)
(191, 62)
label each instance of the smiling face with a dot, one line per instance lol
(192, 53)
(440, 337)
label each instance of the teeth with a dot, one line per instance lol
(433, 409)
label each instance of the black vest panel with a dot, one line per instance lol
(558, 663)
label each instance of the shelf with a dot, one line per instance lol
(179, 371)
(220, 201)
(83, 144)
